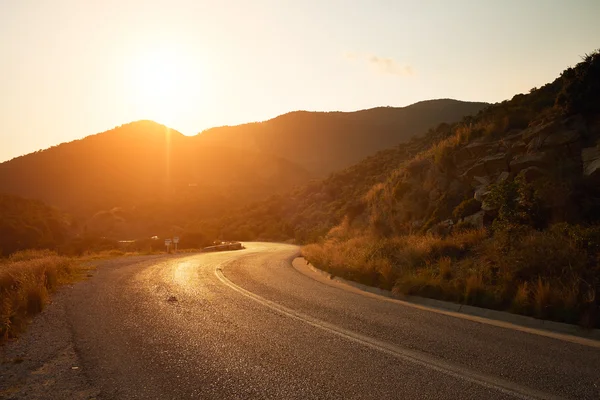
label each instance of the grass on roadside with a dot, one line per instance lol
(26, 280)
(551, 274)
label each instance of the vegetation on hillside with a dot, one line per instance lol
(499, 210)
(29, 224)
(325, 142)
(143, 179)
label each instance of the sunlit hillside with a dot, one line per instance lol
(148, 173)
(143, 179)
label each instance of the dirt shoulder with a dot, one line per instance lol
(43, 362)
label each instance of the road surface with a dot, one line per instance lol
(245, 324)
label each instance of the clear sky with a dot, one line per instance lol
(71, 68)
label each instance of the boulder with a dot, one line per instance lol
(589, 154)
(521, 162)
(479, 149)
(591, 161)
(477, 219)
(502, 177)
(481, 180)
(481, 193)
(476, 170)
(540, 130)
(513, 135)
(532, 173)
(518, 148)
(496, 164)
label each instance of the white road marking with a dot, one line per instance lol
(411, 356)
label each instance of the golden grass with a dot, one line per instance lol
(537, 273)
(26, 280)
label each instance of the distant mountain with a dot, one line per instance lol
(323, 142)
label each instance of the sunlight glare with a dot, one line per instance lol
(164, 85)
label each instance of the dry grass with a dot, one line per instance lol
(532, 273)
(26, 280)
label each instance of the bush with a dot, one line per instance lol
(466, 208)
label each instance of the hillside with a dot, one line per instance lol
(500, 210)
(324, 142)
(29, 224)
(144, 176)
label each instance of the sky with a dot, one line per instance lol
(72, 68)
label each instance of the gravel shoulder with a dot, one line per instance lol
(43, 362)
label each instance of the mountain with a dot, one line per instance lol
(149, 173)
(144, 178)
(324, 142)
(500, 210)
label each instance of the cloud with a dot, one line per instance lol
(384, 65)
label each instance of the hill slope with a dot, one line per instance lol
(500, 210)
(27, 224)
(146, 165)
(323, 142)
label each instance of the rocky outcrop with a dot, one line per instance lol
(591, 161)
(521, 162)
(477, 220)
(496, 164)
(532, 173)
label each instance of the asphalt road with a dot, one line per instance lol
(245, 324)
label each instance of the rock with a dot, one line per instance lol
(502, 177)
(591, 161)
(477, 219)
(513, 135)
(561, 138)
(540, 130)
(481, 180)
(519, 163)
(532, 173)
(479, 149)
(481, 193)
(589, 154)
(476, 170)
(518, 148)
(496, 163)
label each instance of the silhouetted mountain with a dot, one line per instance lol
(147, 171)
(323, 142)
(143, 178)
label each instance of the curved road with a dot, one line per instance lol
(246, 324)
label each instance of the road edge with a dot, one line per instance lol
(556, 330)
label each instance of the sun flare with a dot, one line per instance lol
(163, 84)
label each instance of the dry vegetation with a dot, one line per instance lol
(26, 280)
(543, 274)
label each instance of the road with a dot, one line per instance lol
(246, 324)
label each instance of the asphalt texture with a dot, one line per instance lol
(247, 325)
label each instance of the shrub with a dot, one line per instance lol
(466, 208)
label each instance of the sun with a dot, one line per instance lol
(163, 85)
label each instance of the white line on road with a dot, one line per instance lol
(412, 356)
